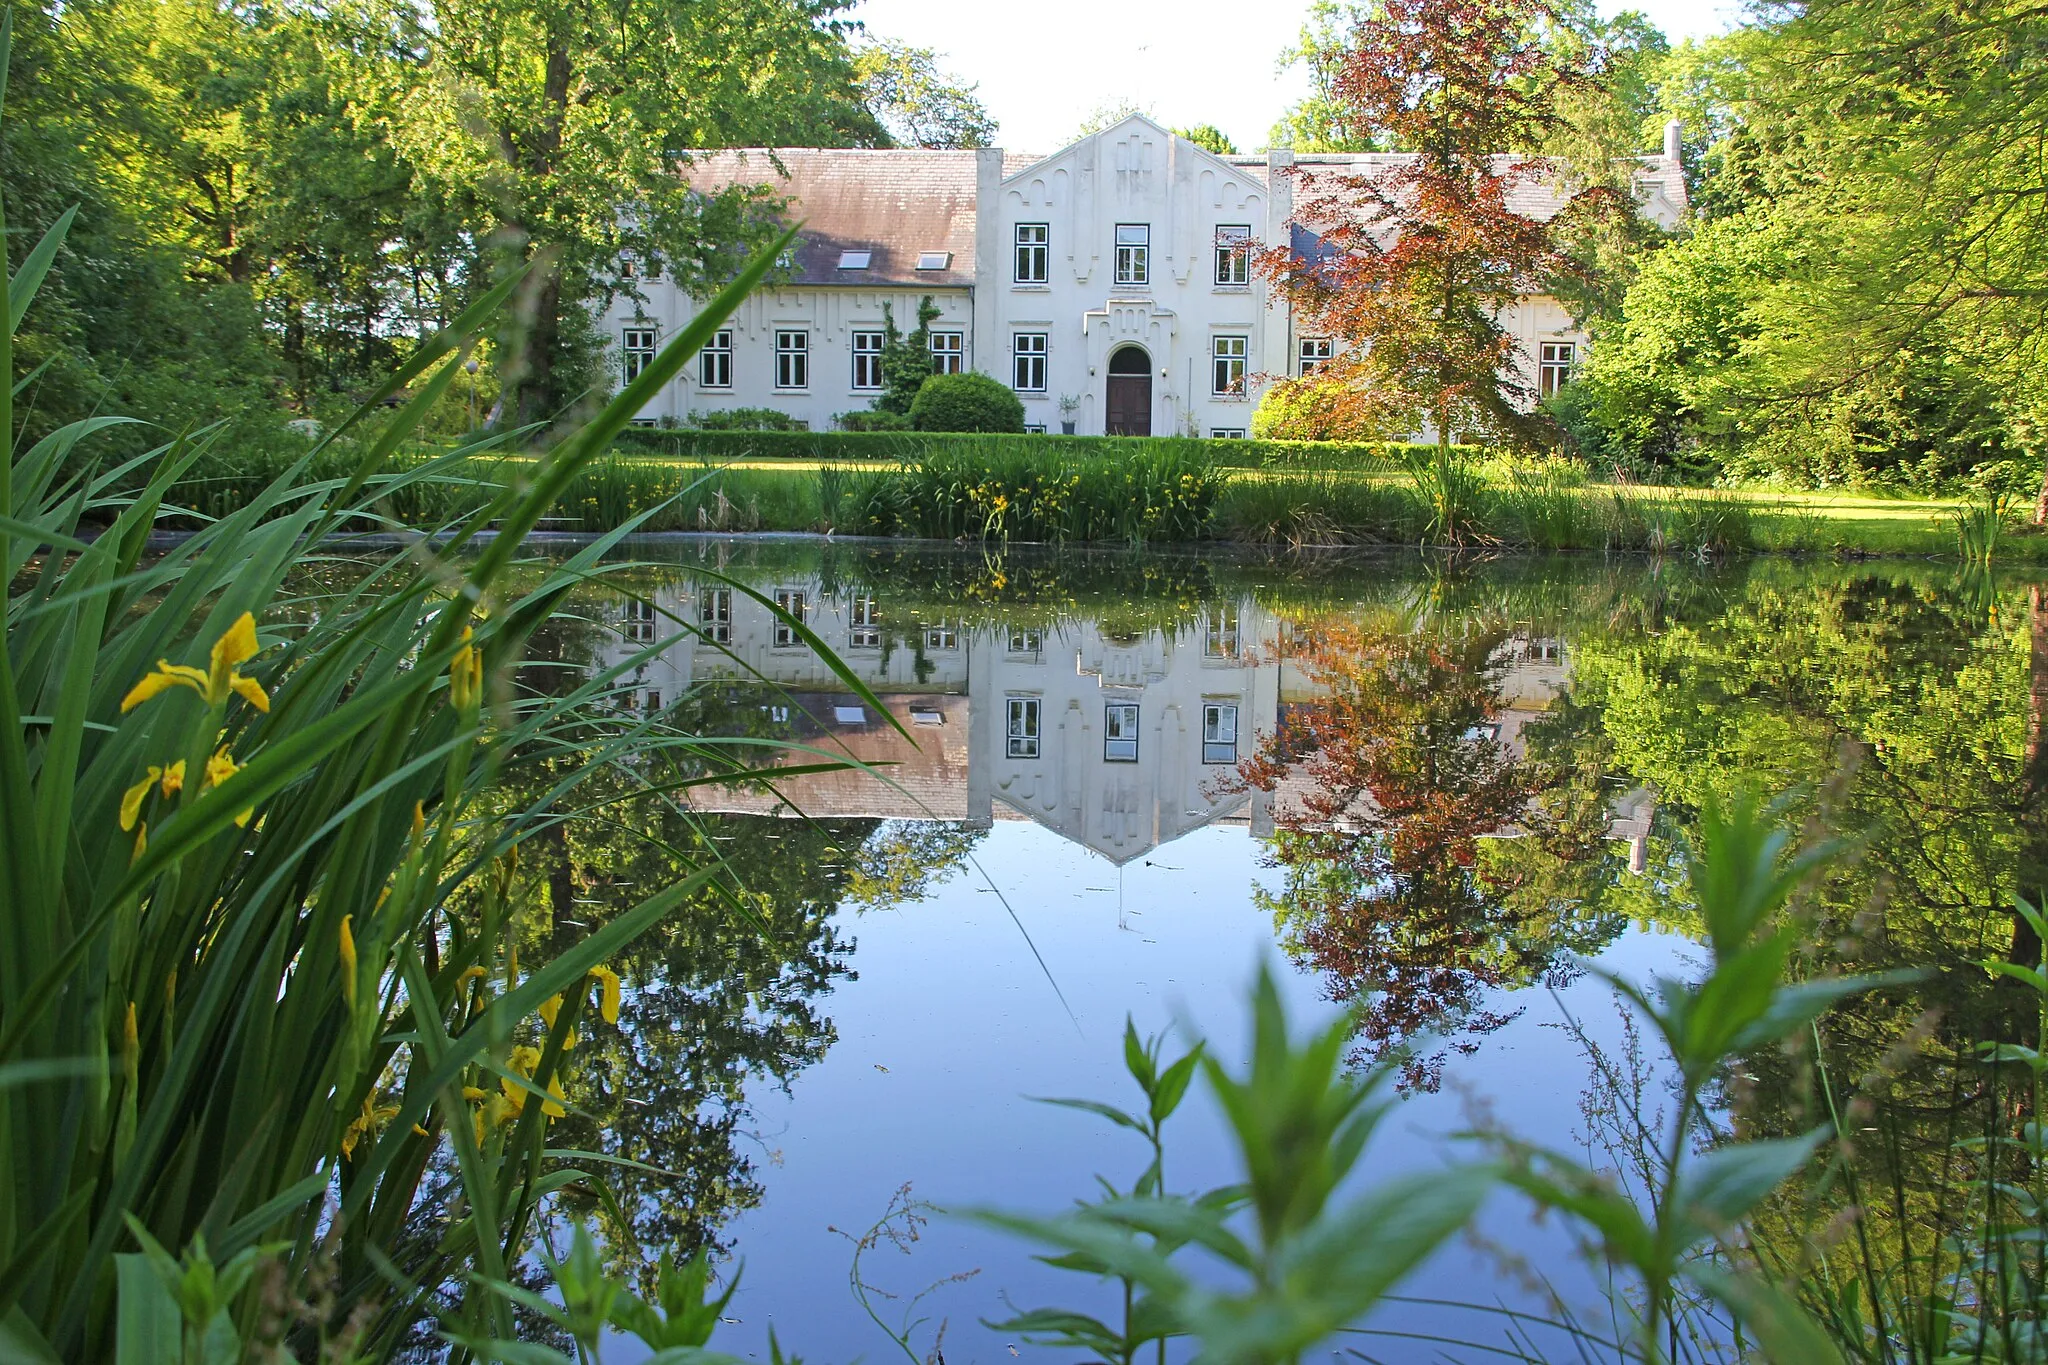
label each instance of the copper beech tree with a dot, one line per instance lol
(1410, 263)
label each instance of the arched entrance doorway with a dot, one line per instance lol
(1130, 393)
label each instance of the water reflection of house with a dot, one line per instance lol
(1118, 740)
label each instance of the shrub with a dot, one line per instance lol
(1304, 410)
(966, 402)
(745, 419)
(873, 419)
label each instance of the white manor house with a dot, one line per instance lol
(1109, 284)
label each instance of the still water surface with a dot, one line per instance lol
(1483, 775)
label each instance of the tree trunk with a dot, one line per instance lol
(2041, 502)
(541, 334)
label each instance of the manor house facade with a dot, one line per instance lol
(1109, 284)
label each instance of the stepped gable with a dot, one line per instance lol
(895, 205)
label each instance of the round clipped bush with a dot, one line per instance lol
(1304, 410)
(965, 402)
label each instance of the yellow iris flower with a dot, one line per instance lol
(348, 963)
(608, 999)
(466, 674)
(172, 780)
(524, 1060)
(216, 683)
(219, 769)
(373, 1117)
(549, 1008)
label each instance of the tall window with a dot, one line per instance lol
(1556, 370)
(714, 615)
(1233, 254)
(1022, 728)
(790, 602)
(1120, 732)
(1220, 633)
(1315, 353)
(1026, 641)
(1219, 732)
(638, 347)
(792, 360)
(942, 636)
(1230, 353)
(949, 352)
(867, 360)
(1031, 252)
(1133, 253)
(714, 362)
(1028, 353)
(638, 625)
(866, 623)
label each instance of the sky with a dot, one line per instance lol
(1044, 67)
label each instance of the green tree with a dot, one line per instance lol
(916, 103)
(1324, 121)
(906, 360)
(1209, 138)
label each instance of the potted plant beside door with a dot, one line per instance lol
(1070, 403)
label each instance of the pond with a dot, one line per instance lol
(1099, 786)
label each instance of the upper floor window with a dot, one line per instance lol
(1032, 239)
(1234, 254)
(1558, 358)
(638, 624)
(790, 602)
(942, 636)
(866, 623)
(1026, 641)
(1230, 354)
(637, 345)
(1029, 356)
(714, 615)
(1219, 732)
(714, 362)
(1133, 253)
(1220, 633)
(1021, 727)
(1315, 353)
(792, 360)
(1120, 732)
(949, 352)
(867, 360)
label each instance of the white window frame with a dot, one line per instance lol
(714, 615)
(1031, 261)
(1313, 353)
(949, 352)
(714, 362)
(791, 602)
(1233, 255)
(1221, 633)
(1219, 732)
(1120, 732)
(867, 361)
(792, 358)
(864, 623)
(637, 349)
(1021, 724)
(638, 624)
(1027, 642)
(944, 635)
(1554, 368)
(1134, 253)
(1028, 360)
(1226, 433)
(1230, 360)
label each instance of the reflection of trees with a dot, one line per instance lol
(1384, 786)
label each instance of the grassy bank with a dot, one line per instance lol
(1157, 492)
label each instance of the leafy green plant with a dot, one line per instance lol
(967, 401)
(1454, 496)
(1979, 525)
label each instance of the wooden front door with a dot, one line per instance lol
(1130, 405)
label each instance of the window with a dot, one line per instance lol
(1556, 371)
(1315, 353)
(1133, 253)
(714, 615)
(1220, 634)
(792, 360)
(867, 360)
(1034, 428)
(949, 352)
(1219, 732)
(934, 260)
(628, 267)
(1230, 353)
(1226, 433)
(866, 623)
(1031, 252)
(638, 625)
(855, 260)
(714, 362)
(1233, 254)
(638, 347)
(654, 270)
(1022, 730)
(1120, 732)
(942, 636)
(790, 602)
(653, 703)
(642, 422)
(1028, 353)
(1026, 641)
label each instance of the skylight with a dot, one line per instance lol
(934, 260)
(855, 260)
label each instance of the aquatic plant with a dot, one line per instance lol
(1979, 525)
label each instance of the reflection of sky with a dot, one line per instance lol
(951, 1002)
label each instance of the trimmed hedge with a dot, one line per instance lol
(889, 446)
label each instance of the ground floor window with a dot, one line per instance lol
(1315, 353)
(792, 360)
(790, 602)
(942, 636)
(1029, 351)
(1120, 732)
(1230, 354)
(714, 362)
(1226, 433)
(637, 346)
(949, 352)
(1022, 729)
(1556, 371)
(867, 360)
(714, 615)
(1026, 641)
(1034, 428)
(1219, 732)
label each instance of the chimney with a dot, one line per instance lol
(1639, 854)
(1671, 144)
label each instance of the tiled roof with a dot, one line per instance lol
(922, 778)
(1532, 196)
(895, 205)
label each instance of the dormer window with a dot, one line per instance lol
(855, 260)
(934, 260)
